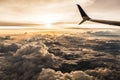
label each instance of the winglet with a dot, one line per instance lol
(83, 14)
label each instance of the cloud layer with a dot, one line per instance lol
(63, 57)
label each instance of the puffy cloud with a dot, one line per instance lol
(104, 74)
(7, 47)
(99, 71)
(80, 75)
(34, 47)
(63, 57)
(30, 58)
(58, 75)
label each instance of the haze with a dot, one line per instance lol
(57, 11)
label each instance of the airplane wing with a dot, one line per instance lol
(87, 18)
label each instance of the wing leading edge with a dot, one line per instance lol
(87, 18)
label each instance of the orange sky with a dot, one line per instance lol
(40, 10)
(52, 11)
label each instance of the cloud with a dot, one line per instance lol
(58, 75)
(110, 33)
(60, 57)
(6, 47)
(29, 58)
(34, 47)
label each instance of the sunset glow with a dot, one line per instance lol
(49, 12)
(48, 20)
(59, 39)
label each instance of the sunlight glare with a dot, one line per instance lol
(48, 20)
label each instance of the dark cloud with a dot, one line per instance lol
(106, 33)
(6, 47)
(62, 57)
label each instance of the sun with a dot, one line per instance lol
(48, 20)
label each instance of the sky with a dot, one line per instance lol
(61, 11)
